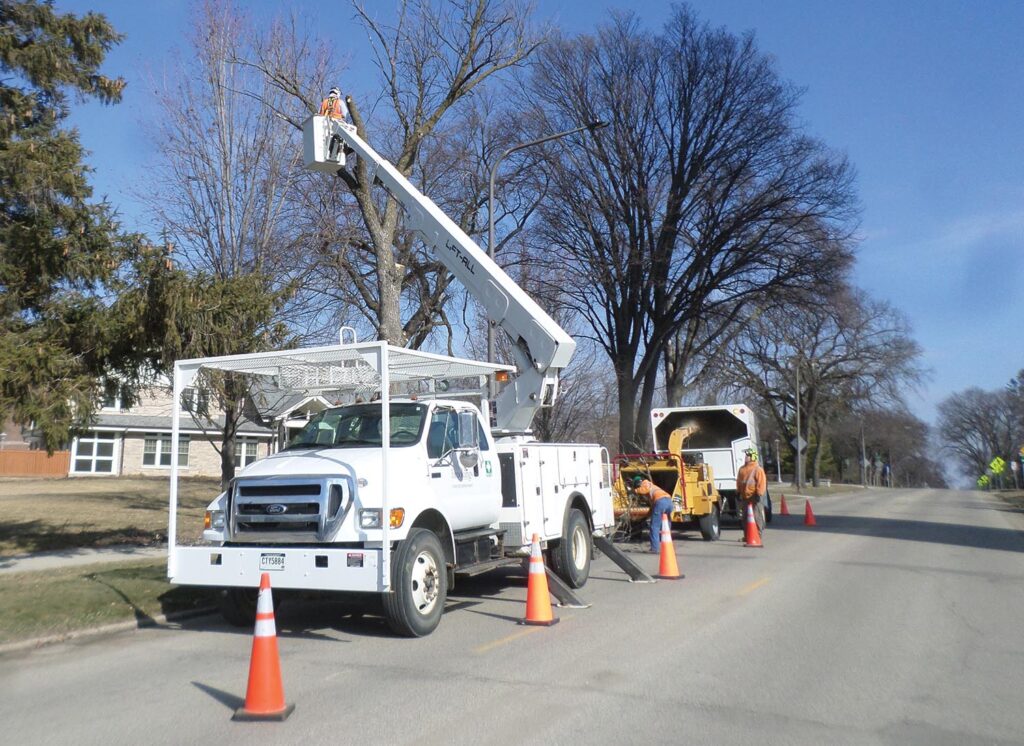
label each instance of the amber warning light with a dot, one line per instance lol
(501, 376)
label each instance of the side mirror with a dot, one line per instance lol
(469, 440)
(469, 432)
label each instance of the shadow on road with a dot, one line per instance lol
(231, 701)
(980, 537)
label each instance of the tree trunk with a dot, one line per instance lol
(227, 451)
(674, 370)
(626, 390)
(817, 456)
(641, 432)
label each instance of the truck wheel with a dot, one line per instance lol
(710, 526)
(419, 585)
(570, 558)
(238, 605)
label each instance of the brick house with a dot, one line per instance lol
(137, 441)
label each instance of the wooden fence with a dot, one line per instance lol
(34, 464)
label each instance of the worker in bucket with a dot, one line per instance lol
(752, 487)
(332, 107)
(661, 504)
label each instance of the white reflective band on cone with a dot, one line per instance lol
(265, 603)
(265, 627)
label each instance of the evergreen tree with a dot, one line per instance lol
(59, 252)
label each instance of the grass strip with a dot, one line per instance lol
(39, 515)
(54, 602)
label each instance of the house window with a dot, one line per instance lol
(195, 400)
(94, 454)
(157, 450)
(112, 401)
(245, 451)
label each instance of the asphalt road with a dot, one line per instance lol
(898, 619)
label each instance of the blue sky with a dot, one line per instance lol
(926, 99)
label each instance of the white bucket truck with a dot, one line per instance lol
(341, 508)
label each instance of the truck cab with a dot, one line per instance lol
(324, 485)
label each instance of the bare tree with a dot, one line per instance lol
(222, 188)
(453, 170)
(862, 437)
(976, 426)
(431, 58)
(850, 350)
(700, 197)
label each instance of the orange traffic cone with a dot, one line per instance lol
(809, 515)
(264, 699)
(668, 569)
(538, 600)
(784, 510)
(752, 536)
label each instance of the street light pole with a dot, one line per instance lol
(799, 451)
(490, 216)
(778, 461)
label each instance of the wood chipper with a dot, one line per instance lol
(684, 476)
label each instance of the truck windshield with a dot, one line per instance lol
(359, 425)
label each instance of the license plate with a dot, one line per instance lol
(271, 562)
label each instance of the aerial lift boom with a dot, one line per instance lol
(541, 347)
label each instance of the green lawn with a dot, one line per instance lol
(60, 514)
(54, 602)
(39, 515)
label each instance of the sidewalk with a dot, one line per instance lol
(75, 557)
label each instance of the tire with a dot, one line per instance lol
(571, 557)
(710, 525)
(238, 605)
(419, 585)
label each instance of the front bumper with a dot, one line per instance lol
(305, 568)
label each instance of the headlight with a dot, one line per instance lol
(369, 518)
(214, 519)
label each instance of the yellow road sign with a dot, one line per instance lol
(997, 465)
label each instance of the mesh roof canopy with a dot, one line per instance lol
(343, 366)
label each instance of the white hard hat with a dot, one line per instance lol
(334, 92)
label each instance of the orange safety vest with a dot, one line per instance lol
(653, 491)
(331, 107)
(751, 480)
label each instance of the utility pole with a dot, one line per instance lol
(778, 462)
(863, 458)
(799, 451)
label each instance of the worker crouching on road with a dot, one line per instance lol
(752, 487)
(661, 503)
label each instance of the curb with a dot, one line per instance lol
(106, 629)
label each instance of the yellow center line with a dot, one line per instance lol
(505, 640)
(753, 586)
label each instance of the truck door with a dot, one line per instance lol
(464, 492)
